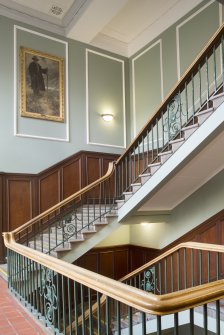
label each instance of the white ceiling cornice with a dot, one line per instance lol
(123, 27)
(29, 16)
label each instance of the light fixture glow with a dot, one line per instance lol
(107, 117)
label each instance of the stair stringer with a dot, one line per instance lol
(78, 250)
(198, 139)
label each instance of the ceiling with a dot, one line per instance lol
(120, 26)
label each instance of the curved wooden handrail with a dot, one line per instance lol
(178, 86)
(108, 174)
(131, 296)
(187, 245)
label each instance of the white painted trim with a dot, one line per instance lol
(16, 107)
(133, 78)
(178, 35)
(87, 100)
(43, 137)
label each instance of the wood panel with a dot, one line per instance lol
(19, 202)
(115, 261)
(93, 169)
(49, 191)
(71, 178)
(106, 264)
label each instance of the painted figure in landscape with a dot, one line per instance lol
(36, 75)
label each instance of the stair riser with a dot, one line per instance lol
(127, 196)
(136, 188)
(203, 117)
(217, 101)
(176, 145)
(163, 158)
(144, 179)
(153, 169)
(189, 132)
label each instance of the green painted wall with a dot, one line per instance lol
(106, 95)
(200, 206)
(31, 155)
(179, 44)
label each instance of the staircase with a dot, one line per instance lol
(69, 234)
(185, 132)
(76, 224)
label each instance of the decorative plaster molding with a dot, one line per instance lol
(133, 78)
(182, 24)
(87, 101)
(16, 107)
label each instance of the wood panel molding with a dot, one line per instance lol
(24, 196)
(103, 260)
(116, 261)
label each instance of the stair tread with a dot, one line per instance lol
(195, 125)
(165, 153)
(201, 112)
(220, 95)
(177, 140)
(154, 164)
(145, 175)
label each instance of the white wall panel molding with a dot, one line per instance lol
(183, 23)
(17, 90)
(159, 42)
(123, 145)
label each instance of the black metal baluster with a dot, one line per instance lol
(185, 269)
(191, 321)
(205, 319)
(98, 314)
(130, 321)
(200, 267)
(176, 324)
(207, 81)
(118, 304)
(90, 311)
(143, 317)
(218, 319)
(69, 307)
(199, 74)
(193, 106)
(83, 309)
(209, 260)
(159, 325)
(186, 98)
(215, 74)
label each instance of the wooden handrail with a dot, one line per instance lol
(200, 59)
(187, 245)
(108, 174)
(131, 296)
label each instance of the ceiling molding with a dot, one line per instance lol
(110, 44)
(29, 16)
(175, 13)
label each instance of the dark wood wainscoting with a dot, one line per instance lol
(116, 261)
(23, 196)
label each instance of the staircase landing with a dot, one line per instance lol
(14, 320)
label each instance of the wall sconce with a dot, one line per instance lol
(107, 117)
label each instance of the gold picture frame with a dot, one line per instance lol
(42, 85)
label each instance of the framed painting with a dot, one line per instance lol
(42, 85)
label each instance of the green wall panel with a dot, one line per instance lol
(105, 95)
